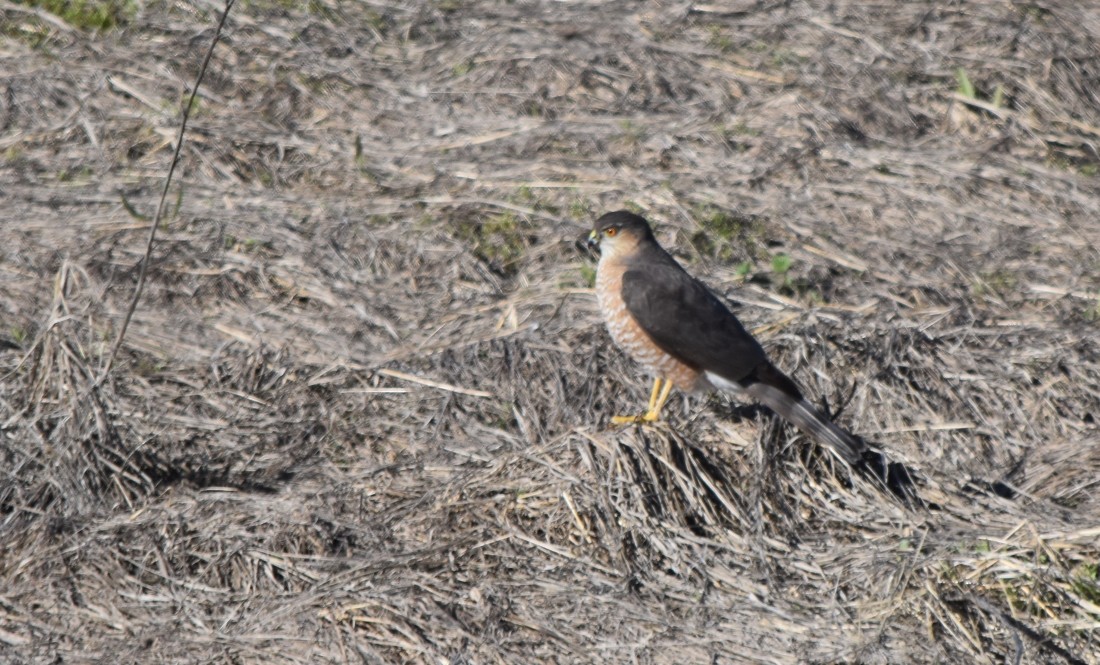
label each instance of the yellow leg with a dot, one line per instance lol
(653, 394)
(657, 398)
(655, 409)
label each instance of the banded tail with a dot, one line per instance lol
(779, 393)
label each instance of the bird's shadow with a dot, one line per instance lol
(895, 477)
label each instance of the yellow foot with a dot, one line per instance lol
(657, 398)
(634, 420)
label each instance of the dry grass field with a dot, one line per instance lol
(362, 412)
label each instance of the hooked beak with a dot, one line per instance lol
(593, 240)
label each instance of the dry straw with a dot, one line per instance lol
(360, 411)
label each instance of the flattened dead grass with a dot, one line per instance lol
(361, 413)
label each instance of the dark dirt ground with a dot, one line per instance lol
(361, 414)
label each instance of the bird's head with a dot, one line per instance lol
(619, 232)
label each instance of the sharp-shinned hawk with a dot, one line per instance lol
(684, 336)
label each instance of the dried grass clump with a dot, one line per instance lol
(361, 413)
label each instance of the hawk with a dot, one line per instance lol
(684, 336)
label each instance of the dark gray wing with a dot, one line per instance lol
(688, 321)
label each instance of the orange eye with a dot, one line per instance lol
(610, 233)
